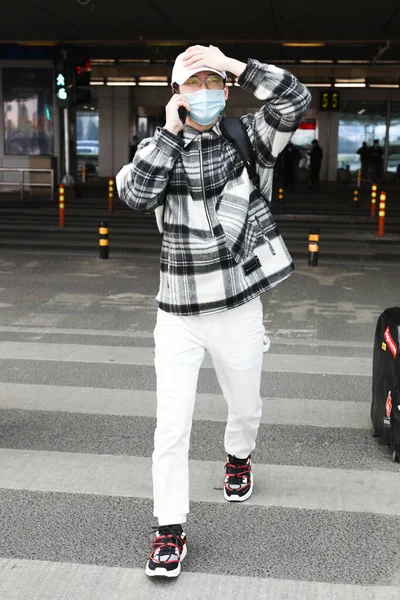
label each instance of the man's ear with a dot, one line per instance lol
(226, 93)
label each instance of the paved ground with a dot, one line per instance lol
(77, 415)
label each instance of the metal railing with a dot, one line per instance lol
(22, 184)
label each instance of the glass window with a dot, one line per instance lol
(28, 111)
(87, 139)
(87, 132)
(394, 139)
(359, 122)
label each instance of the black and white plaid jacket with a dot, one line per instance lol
(220, 246)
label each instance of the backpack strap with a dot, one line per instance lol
(234, 130)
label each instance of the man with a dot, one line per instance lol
(220, 251)
(376, 158)
(316, 156)
(364, 153)
(291, 158)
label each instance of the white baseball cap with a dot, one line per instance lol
(180, 74)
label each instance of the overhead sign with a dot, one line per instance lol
(329, 100)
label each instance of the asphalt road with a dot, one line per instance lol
(77, 416)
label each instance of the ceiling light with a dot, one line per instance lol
(353, 62)
(303, 44)
(350, 85)
(360, 83)
(362, 111)
(118, 81)
(153, 78)
(317, 84)
(102, 61)
(319, 62)
(134, 60)
(384, 85)
(154, 83)
(99, 82)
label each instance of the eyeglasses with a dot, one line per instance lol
(213, 82)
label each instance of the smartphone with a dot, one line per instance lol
(182, 112)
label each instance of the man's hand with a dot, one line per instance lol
(198, 56)
(211, 56)
(172, 120)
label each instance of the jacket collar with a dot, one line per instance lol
(189, 133)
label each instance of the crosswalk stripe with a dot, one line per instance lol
(282, 411)
(276, 485)
(39, 580)
(282, 341)
(282, 363)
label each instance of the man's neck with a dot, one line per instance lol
(198, 127)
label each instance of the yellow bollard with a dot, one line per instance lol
(355, 198)
(313, 247)
(61, 202)
(359, 178)
(374, 193)
(281, 195)
(382, 213)
(84, 173)
(110, 193)
(103, 239)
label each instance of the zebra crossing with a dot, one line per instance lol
(77, 416)
(75, 499)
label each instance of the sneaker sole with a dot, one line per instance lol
(236, 498)
(161, 572)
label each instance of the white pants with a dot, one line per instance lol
(234, 339)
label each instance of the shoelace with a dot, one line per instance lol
(237, 472)
(162, 543)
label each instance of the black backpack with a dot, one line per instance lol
(235, 132)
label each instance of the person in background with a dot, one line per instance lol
(291, 158)
(365, 155)
(133, 147)
(316, 156)
(376, 157)
(220, 251)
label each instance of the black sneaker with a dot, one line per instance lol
(238, 484)
(168, 550)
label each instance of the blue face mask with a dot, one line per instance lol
(205, 105)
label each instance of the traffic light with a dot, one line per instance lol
(61, 82)
(82, 94)
(82, 74)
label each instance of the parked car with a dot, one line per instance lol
(87, 147)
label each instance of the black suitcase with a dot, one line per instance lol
(385, 408)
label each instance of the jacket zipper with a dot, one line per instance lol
(270, 246)
(203, 187)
